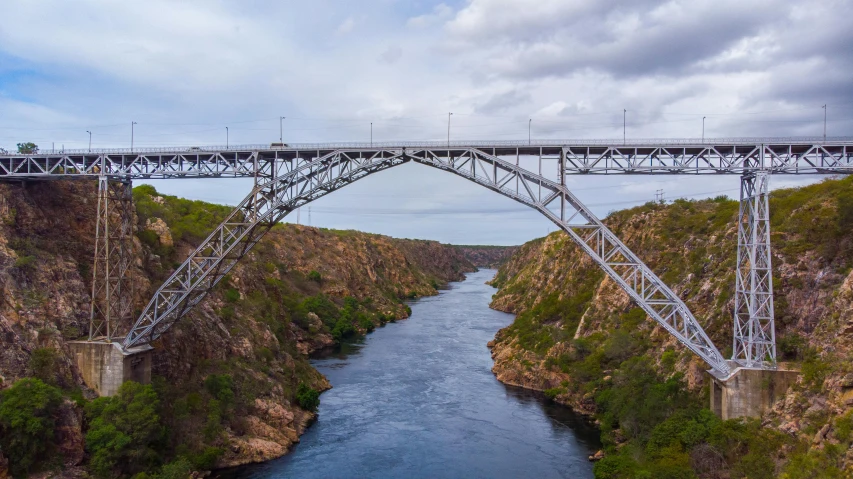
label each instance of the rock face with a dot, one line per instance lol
(159, 227)
(571, 317)
(285, 300)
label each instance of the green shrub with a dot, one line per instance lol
(180, 468)
(206, 460)
(221, 387)
(148, 238)
(322, 306)
(315, 276)
(25, 262)
(815, 370)
(552, 393)
(213, 425)
(125, 435)
(27, 420)
(307, 397)
(43, 364)
(232, 295)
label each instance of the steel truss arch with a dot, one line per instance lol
(271, 200)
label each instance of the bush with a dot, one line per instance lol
(314, 275)
(43, 364)
(25, 262)
(125, 435)
(307, 397)
(27, 420)
(232, 295)
(178, 469)
(221, 387)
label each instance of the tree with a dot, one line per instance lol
(125, 435)
(27, 419)
(307, 397)
(28, 148)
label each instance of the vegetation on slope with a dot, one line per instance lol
(578, 338)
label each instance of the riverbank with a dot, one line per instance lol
(418, 399)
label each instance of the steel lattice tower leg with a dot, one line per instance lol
(754, 331)
(112, 288)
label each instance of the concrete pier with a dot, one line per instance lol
(749, 392)
(105, 367)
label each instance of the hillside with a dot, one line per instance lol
(484, 256)
(579, 338)
(232, 380)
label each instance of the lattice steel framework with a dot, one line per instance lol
(754, 331)
(654, 156)
(302, 181)
(112, 287)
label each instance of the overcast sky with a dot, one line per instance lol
(184, 71)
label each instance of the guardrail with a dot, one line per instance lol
(453, 144)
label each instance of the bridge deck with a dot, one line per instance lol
(690, 156)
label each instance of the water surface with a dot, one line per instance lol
(417, 399)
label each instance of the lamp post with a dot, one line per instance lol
(371, 134)
(448, 129)
(824, 123)
(90, 140)
(226, 137)
(281, 129)
(624, 117)
(131, 135)
(703, 129)
(529, 121)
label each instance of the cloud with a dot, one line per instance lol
(391, 55)
(346, 26)
(440, 13)
(501, 102)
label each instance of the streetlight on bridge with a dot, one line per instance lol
(226, 137)
(90, 140)
(131, 135)
(703, 129)
(824, 123)
(448, 129)
(281, 129)
(529, 121)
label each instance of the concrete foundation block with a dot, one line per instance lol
(749, 392)
(105, 366)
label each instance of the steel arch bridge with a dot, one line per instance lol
(532, 173)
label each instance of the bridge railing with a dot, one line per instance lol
(643, 142)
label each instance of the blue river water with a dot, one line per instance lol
(417, 399)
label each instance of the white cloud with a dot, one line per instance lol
(346, 26)
(439, 14)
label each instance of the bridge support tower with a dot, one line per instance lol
(103, 363)
(755, 381)
(112, 291)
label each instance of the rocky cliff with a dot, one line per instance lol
(229, 376)
(579, 338)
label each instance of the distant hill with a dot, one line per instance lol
(487, 256)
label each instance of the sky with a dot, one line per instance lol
(184, 71)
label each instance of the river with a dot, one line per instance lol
(417, 399)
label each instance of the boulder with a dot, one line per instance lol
(160, 227)
(599, 455)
